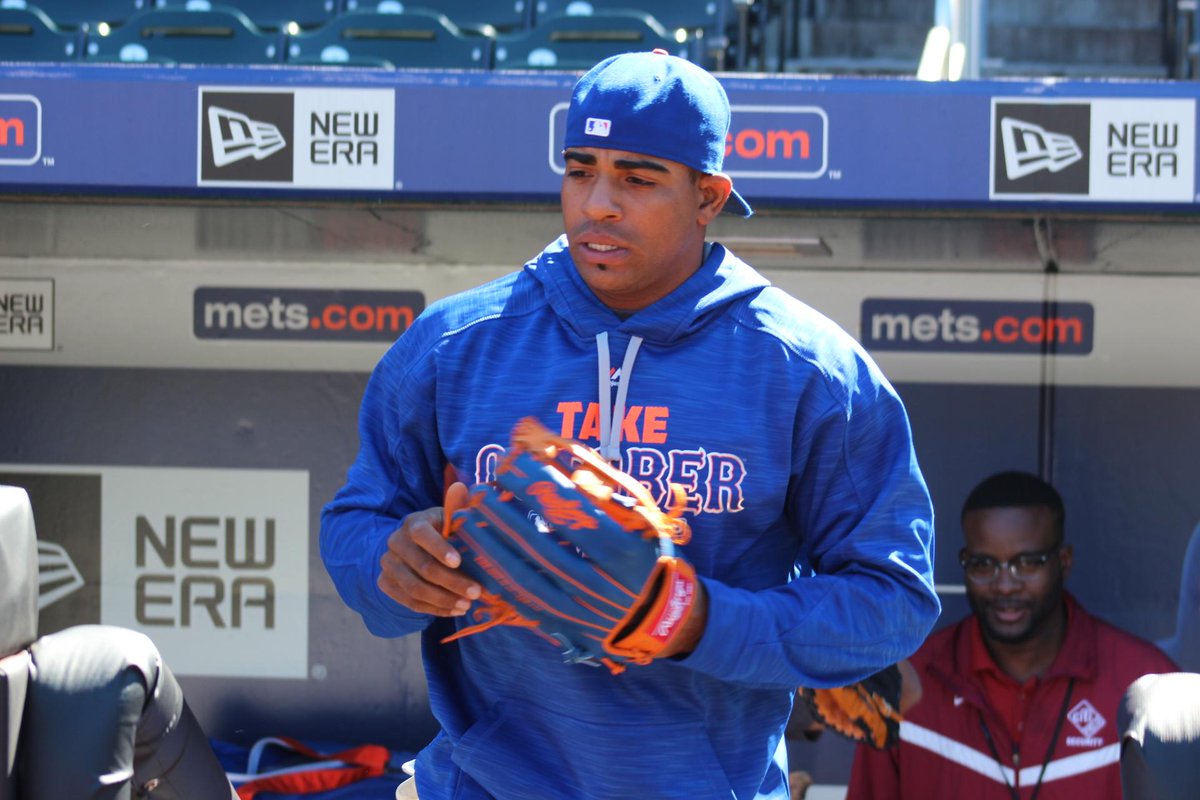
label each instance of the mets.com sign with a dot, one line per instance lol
(766, 141)
(282, 313)
(977, 326)
(20, 129)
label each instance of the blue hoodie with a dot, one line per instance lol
(812, 528)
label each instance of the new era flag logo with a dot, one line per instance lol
(236, 136)
(1029, 148)
(1041, 149)
(57, 574)
(247, 138)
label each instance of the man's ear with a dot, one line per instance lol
(714, 192)
(1066, 557)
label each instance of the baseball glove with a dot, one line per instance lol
(576, 550)
(867, 711)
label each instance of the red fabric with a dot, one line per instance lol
(1010, 699)
(943, 752)
(364, 761)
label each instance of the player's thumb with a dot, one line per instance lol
(457, 495)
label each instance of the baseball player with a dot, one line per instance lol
(739, 409)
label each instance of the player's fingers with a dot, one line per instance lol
(427, 552)
(432, 570)
(403, 581)
(422, 567)
(457, 496)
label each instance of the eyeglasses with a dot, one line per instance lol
(985, 569)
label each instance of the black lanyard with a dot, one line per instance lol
(1037, 787)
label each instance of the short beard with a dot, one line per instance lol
(1039, 616)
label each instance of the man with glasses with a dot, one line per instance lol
(1019, 700)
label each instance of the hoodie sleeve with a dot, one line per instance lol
(397, 472)
(863, 514)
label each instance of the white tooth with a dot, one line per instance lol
(602, 247)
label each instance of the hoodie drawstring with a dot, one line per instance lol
(610, 433)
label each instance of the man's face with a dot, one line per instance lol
(1012, 609)
(635, 223)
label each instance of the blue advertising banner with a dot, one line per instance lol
(395, 136)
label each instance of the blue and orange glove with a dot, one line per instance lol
(577, 551)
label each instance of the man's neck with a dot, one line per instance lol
(1032, 657)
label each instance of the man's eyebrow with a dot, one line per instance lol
(621, 163)
(1021, 554)
(582, 158)
(644, 163)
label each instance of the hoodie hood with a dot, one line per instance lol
(720, 280)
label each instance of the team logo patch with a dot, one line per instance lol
(597, 127)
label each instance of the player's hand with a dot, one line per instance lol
(420, 568)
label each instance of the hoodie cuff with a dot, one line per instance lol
(726, 632)
(389, 619)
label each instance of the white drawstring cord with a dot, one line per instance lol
(610, 433)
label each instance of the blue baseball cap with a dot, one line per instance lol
(655, 104)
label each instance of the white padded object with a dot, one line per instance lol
(18, 621)
(18, 571)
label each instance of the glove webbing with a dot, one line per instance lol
(855, 712)
(597, 478)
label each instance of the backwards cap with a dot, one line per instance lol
(655, 104)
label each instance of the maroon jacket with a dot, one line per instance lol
(944, 750)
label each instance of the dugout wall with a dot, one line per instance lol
(180, 374)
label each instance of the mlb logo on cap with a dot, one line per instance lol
(597, 127)
(655, 104)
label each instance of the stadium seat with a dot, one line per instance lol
(84, 14)
(699, 23)
(174, 36)
(27, 34)
(569, 42)
(688, 15)
(505, 16)
(405, 40)
(876, 37)
(270, 15)
(1102, 38)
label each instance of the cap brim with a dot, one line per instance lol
(736, 204)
